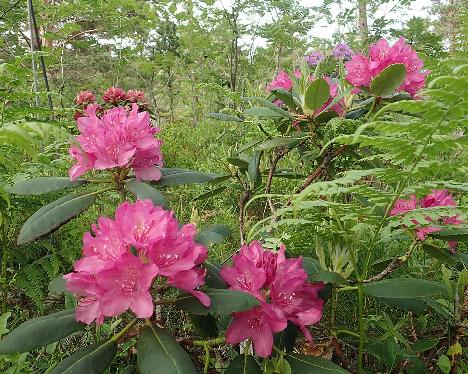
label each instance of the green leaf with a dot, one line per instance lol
(212, 278)
(39, 332)
(286, 98)
(57, 285)
(324, 117)
(442, 254)
(243, 364)
(225, 117)
(388, 80)
(206, 326)
(215, 233)
(302, 364)
(286, 339)
(41, 185)
(424, 344)
(3, 323)
(282, 141)
(415, 305)
(159, 352)
(238, 162)
(310, 265)
(144, 191)
(191, 304)
(270, 105)
(263, 112)
(444, 364)
(317, 94)
(176, 177)
(93, 359)
(128, 370)
(254, 169)
(209, 194)
(402, 288)
(227, 301)
(328, 277)
(50, 217)
(457, 233)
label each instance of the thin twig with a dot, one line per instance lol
(393, 265)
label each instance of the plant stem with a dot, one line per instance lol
(122, 332)
(371, 110)
(4, 282)
(395, 264)
(362, 329)
(207, 359)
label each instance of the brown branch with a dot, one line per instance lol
(242, 200)
(278, 155)
(393, 265)
(339, 353)
(318, 172)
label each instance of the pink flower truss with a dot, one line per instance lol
(435, 198)
(122, 257)
(117, 140)
(136, 96)
(281, 81)
(282, 289)
(85, 97)
(114, 95)
(361, 70)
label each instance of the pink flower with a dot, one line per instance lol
(261, 258)
(403, 206)
(117, 140)
(361, 70)
(244, 276)
(280, 285)
(103, 249)
(177, 251)
(142, 224)
(422, 232)
(126, 285)
(85, 97)
(122, 257)
(438, 198)
(342, 50)
(258, 324)
(114, 95)
(136, 96)
(85, 162)
(358, 72)
(188, 281)
(315, 58)
(281, 81)
(85, 288)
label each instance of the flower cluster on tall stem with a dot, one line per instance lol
(280, 285)
(361, 70)
(123, 256)
(117, 139)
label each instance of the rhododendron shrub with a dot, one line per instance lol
(282, 289)
(122, 258)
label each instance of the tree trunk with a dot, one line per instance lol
(363, 29)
